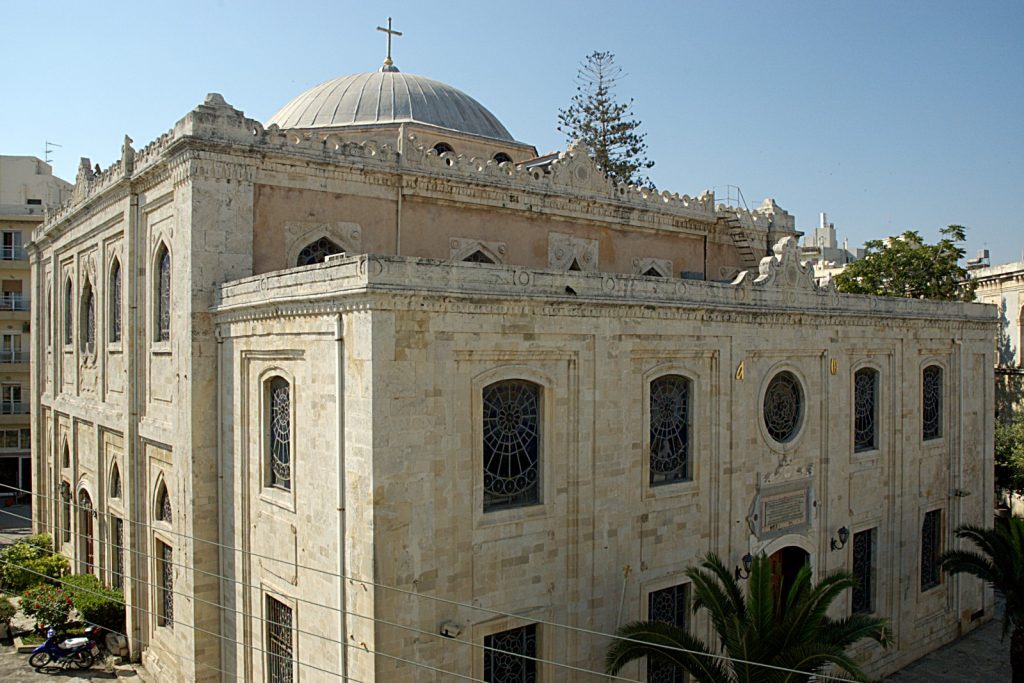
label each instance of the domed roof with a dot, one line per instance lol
(388, 97)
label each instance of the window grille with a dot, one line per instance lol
(668, 605)
(165, 572)
(931, 546)
(317, 252)
(65, 521)
(115, 301)
(511, 444)
(69, 330)
(783, 406)
(280, 433)
(670, 430)
(865, 407)
(163, 310)
(931, 408)
(88, 336)
(279, 642)
(511, 656)
(86, 532)
(117, 563)
(163, 506)
(863, 598)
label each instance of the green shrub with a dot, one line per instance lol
(28, 562)
(48, 605)
(1009, 456)
(7, 610)
(97, 605)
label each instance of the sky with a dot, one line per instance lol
(887, 116)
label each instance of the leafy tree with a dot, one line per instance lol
(908, 266)
(758, 631)
(604, 124)
(1009, 455)
(998, 562)
(30, 561)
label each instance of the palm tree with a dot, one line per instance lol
(764, 637)
(1000, 564)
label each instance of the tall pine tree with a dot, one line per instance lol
(605, 125)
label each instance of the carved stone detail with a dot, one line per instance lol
(568, 252)
(298, 234)
(661, 266)
(459, 248)
(784, 270)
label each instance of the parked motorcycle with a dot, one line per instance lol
(72, 651)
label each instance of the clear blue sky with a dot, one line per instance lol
(887, 115)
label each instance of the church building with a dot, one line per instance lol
(372, 390)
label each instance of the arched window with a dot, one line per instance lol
(931, 402)
(114, 314)
(115, 481)
(163, 505)
(66, 456)
(670, 430)
(85, 533)
(278, 433)
(443, 147)
(511, 444)
(865, 410)
(162, 323)
(65, 512)
(317, 252)
(69, 307)
(87, 319)
(783, 407)
(501, 158)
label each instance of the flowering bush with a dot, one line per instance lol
(49, 605)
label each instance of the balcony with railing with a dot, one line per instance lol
(13, 408)
(13, 356)
(13, 253)
(14, 302)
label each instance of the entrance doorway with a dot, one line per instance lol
(785, 563)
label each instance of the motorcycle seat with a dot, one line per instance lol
(72, 643)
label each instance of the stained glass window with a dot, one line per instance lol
(69, 306)
(931, 408)
(165, 573)
(163, 295)
(783, 406)
(280, 433)
(670, 606)
(863, 599)
(670, 430)
(163, 506)
(117, 561)
(931, 547)
(279, 642)
(317, 252)
(88, 334)
(510, 656)
(511, 436)
(865, 410)
(115, 301)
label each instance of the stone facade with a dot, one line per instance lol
(1003, 285)
(320, 430)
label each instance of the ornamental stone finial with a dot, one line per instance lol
(388, 64)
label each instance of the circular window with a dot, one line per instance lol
(783, 406)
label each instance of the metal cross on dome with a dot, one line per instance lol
(388, 64)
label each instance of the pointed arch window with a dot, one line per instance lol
(164, 513)
(317, 252)
(670, 430)
(115, 481)
(114, 315)
(278, 433)
(163, 294)
(66, 456)
(511, 444)
(69, 307)
(85, 532)
(65, 512)
(87, 319)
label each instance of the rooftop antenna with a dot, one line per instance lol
(48, 149)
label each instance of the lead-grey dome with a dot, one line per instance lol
(388, 97)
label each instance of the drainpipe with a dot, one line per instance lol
(339, 379)
(135, 459)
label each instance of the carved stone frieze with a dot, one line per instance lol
(462, 248)
(657, 267)
(568, 252)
